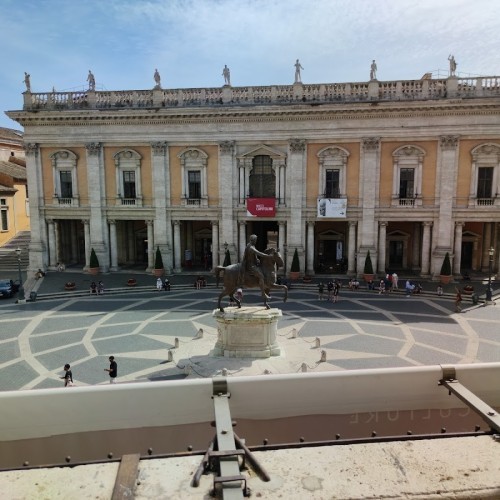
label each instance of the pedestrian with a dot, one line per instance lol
(440, 290)
(329, 288)
(321, 289)
(112, 370)
(159, 284)
(93, 288)
(68, 376)
(408, 288)
(381, 287)
(239, 295)
(395, 281)
(336, 291)
(458, 301)
(100, 288)
(166, 285)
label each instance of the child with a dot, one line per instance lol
(68, 376)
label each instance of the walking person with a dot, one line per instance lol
(458, 301)
(329, 288)
(321, 289)
(159, 284)
(68, 376)
(336, 291)
(112, 370)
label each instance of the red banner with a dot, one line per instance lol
(261, 207)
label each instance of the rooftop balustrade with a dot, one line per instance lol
(401, 90)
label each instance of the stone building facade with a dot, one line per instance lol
(408, 170)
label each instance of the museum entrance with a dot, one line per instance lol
(267, 234)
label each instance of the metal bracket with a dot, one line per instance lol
(488, 414)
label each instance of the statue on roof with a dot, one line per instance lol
(157, 79)
(227, 75)
(453, 65)
(373, 70)
(298, 67)
(27, 82)
(91, 80)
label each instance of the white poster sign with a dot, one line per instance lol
(332, 207)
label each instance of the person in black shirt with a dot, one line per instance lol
(68, 376)
(112, 370)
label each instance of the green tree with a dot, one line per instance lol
(368, 264)
(158, 259)
(227, 259)
(446, 267)
(295, 268)
(94, 261)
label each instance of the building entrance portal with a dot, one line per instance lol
(267, 234)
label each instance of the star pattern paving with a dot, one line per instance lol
(157, 336)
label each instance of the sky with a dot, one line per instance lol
(189, 41)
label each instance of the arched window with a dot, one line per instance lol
(262, 181)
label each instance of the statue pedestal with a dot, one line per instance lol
(249, 332)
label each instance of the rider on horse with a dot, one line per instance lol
(250, 263)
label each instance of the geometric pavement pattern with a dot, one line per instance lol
(362, 330)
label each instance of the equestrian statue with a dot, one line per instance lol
(256, 270)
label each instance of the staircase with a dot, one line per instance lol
(8, 256)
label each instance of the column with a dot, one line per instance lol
(177, 246)
(281, 236)
(426, 249)
(296, 184)
(282, 173)
(57, 228)
(415, 253)
(97, 202)
(351, 249)
(241, 183)
(485, 260)
(445, 193)
(151, 246)
(369, 182)
(215, 243)
(242, 238)
(86, 233)
(162, 226)
(310, 248)
(226, 172)
(457, 261)
(113, 245)
(52, 242)
(382, 246)
(74, 242)
(38, 237)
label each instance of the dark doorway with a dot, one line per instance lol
(396, 249)
(467, 251)
(267, 234)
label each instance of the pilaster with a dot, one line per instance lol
(226, 155)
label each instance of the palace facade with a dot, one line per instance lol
(408, 170)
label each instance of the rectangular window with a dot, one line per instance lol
(66, 184)
(484, 182)
(332, 183)
(194, 184)
(4, 219)
(129, 184)
(406, 181)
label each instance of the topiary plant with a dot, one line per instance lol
(158, 259)
(295, 268)
(94, 261)
(368, 264)
(446, 267)
(227, 259)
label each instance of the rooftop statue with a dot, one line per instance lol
(256, 270)
(227, 75)
(298, 67)
(453, 65)
(373, 70)
(91, 80)
(157, 79)
(27, 82)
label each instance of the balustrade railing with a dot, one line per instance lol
(487, 86)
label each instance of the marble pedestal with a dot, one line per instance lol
(249, 332)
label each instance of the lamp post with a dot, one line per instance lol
(491, 252)
(20, 295)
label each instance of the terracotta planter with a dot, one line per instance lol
(69, 286)
(93, 270)
(158, 272)
(368, 277)
(445, 279)
(294, 275)
(131, 282)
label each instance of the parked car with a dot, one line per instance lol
(6, 289)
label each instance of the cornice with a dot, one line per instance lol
(323, 112)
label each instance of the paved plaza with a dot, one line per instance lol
(363, 330)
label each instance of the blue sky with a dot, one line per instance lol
(190, 41)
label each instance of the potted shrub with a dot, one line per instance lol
(368, 273)
(295, 267)
(94, 263)
(445, 275)
(159, 270)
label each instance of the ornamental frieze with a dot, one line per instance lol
(371, 143)
(159, 148)
(297, 145)
(93, 148)
(31, 149)
(448, 141)
(226, 147)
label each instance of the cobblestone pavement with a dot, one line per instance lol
(363, 330)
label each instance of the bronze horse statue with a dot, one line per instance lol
(268, 266)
